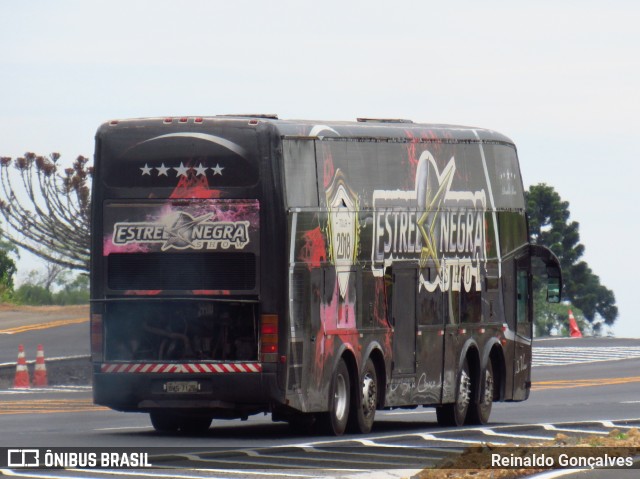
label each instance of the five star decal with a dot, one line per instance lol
(181, 170)
(162, 170)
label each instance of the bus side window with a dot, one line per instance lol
(300, 173)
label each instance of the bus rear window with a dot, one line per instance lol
(143, 159)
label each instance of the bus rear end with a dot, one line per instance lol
(176, 326)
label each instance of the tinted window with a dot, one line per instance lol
(504, 171)
(300, 173)
(142, 158)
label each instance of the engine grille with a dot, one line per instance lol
(182, 271)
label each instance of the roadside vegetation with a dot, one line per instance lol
(592, 303)
(68, 290)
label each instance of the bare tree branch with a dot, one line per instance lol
(47, 212)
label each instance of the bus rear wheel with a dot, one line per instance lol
(365, 400)
(480, 410)
(171, 423)
(455, 414)
(335, 421)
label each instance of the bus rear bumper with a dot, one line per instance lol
(228, 395)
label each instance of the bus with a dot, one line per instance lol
(317, 271)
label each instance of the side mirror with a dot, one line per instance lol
(553, 289)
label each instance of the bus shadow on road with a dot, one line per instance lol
(280, 430)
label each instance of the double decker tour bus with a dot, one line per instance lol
(318, 271)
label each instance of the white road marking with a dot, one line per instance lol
(401, 413)
(491, 432)
(551, 427)
(53, 389)
(124, 428)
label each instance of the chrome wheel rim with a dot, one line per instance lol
(340, 398)
(488, 389)
(368, 395)
(464, 393)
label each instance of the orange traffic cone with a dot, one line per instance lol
(22, 373)
(574, 331)
(40, 372)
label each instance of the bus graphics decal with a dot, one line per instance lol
(180, 230)
(199, 225)
(441, 226)
(343, 228)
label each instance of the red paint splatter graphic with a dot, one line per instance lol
(337, 325)
(108, 247)
(380, 315)
(314, 250)
(328, 168)
(194, 186)
(413, 157)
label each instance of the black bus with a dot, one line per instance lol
(317, 271)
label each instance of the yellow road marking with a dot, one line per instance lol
(582, 383)
(50, 324)
(48, 406)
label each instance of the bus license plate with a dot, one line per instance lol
(182, 387)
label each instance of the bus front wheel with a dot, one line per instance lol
(339, 395)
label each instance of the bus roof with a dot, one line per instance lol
(378, 128)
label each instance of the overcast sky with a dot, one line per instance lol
(561, 78)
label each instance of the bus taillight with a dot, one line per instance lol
(269, 338)
(97, 352)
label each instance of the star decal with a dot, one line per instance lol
(162, 170)
(181, 170)
(217, 170)
(433, 203)
(181, 230)
(201, 170)
(146, 170)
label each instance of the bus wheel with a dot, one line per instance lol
(339, 391)
(456, 413)
(195, 425)
(302, 423)
(365, 400)
(481, 410)
(170, 423)
(164, 423)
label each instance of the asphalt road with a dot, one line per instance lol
(584, 394)
(63, 332)
(583, 399)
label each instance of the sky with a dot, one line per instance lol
(560, 78)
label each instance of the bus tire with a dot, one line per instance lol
(170, 423)
(455, 414)
(302, 423)
(480, 410)
(335, 421)
(164, 423)
(364, 400)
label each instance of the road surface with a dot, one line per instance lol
(580, 387)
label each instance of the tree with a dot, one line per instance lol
(37, 289)
(47, 213)
(7, 269)
(549, 225)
